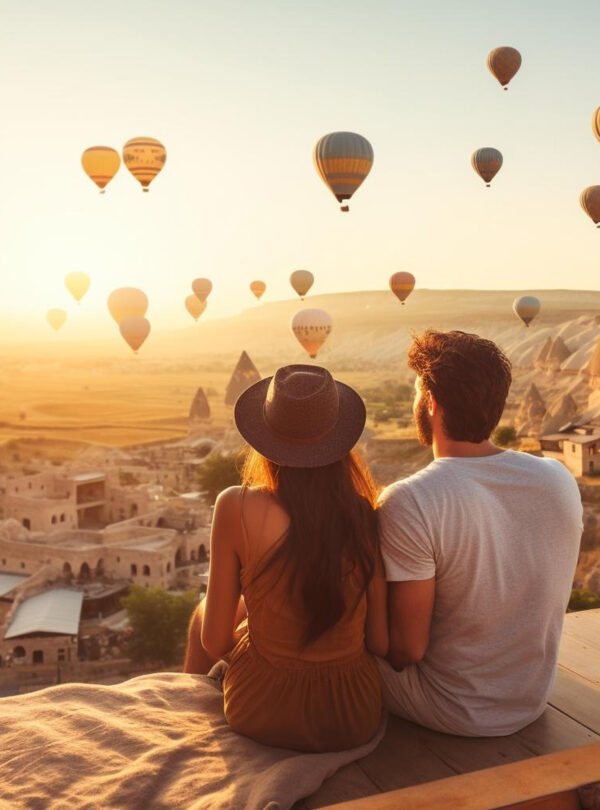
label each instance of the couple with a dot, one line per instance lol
(478, 550)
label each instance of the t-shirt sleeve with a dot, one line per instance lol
(406, 543)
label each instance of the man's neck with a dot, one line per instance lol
(443, 447)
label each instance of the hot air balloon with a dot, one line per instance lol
(596, 123)
(194, 306)
(504, 63)
(402, 284)
(343, 159)
(134, 330)
(56, 318)
(486, 162)
(590, 202)
(127, 302)
(302, 281)
(202, 288)
(77, 284)
(258, 288)
(101, 163)
(526, 308)
(144, 157)
(312, 327)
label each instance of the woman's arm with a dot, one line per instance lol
(377, 637)
(224, 588)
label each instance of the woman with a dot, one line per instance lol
(298, 541)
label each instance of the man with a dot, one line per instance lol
(480, 548)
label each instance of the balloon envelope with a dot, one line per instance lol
(195, 306)
(127, 302)
(504, 63)
(100, 163)
(144, 157)
(590, 202)
(202, 288)
(486, 162)
(302, 281)
(56, 318)
(343, 159)
(77, 284)
(134, 330)
(311, 328)
(596, 123)
(402, 284)
(258, 288)
(526, 308)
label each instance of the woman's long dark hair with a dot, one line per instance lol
(333, 531)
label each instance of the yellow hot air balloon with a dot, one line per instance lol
(590, 202)
(526, 308)
(144, 157)
(195, 306)
(596, 123)
(311, 328)
(101, 163)
(402, 284)
(77, 284)
(56, 318)
(134, 330)
(302, 281)
(504, 63)
(127, 302)
(258, 288)
(343, 159)
(486, 162)
(202, 288)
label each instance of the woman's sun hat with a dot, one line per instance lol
(300, 417)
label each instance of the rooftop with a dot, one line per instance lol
(86, 478)
(574, 438)
(10, 581)
(55, 611)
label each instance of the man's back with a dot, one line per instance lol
(501, 534)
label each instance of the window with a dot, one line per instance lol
(53, 519)
(118, 559)
(19, 652)
(61, 654)
(573, 448)
(22, 565)
(3, 560)
(38, 656)
(62, 518)
(29, 485)
(168, 567)
(146, 570)
(133, 570)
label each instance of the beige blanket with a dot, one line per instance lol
(156, 741)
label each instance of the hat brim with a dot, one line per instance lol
(250, 421)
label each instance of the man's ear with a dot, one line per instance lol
(432, 405)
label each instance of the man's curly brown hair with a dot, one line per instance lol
(468, 377)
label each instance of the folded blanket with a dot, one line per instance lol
(156, 741)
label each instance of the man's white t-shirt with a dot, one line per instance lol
(501, 536)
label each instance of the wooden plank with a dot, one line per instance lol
(498, 787)
(566, 800)
(579, 657)
(350, 782)
(585, 628)
(577, 697)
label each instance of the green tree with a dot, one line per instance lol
(504, 435)
(583, 600)
(159, 622)
(218, 472)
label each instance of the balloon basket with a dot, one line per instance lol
(345, 208)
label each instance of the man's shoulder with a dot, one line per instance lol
(418, 482)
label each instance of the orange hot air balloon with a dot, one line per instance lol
(312, 328)
(195, 306)
(503, 64)
(101, 163)
(77, 284)
(302, 281)
(258, 288)
(487, 163)
(343, 159)
(144, 157)
(402, 284)
(56, 318)
(596, 124)
(127, 302)
(202, 288)
(134, 330)
(590, 202)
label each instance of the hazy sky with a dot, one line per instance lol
(239, 92)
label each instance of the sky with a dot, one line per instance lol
(239, 92)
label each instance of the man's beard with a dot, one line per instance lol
(423, 423)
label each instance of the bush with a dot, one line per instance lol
(159, 622)
(218, 472)
(504, 435)
(583, 600)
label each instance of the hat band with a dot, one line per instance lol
(294, 439)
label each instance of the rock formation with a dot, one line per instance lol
(560, 412)
(199, 409)
(244, 375)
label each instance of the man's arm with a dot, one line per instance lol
(410, 612)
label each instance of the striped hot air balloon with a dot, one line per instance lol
(100, 163)
(487, 162)
(590, 202)
(402, 284)
(312, 328)
(343, 159)
(144, 157)
(504, 63)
